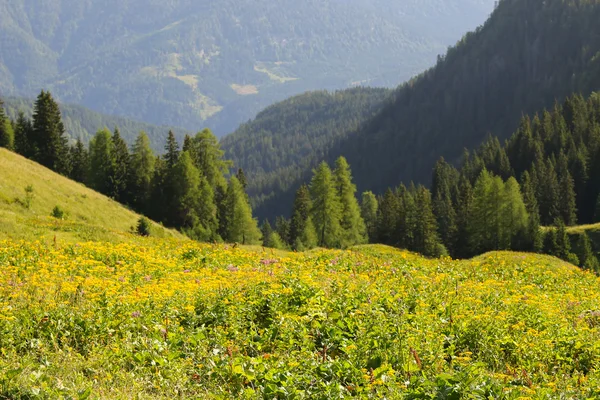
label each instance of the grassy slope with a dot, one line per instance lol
(91, 216)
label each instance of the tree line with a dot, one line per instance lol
(188, 187)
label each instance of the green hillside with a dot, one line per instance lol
(216, 64)
(279, 148)
(88, 214)
(529, 54)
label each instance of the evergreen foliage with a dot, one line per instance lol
(48, 141)
(369, 208)
(326, 210)
(7, 135)
(241, 226)
(353, 229)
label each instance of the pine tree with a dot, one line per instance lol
(326, 209)
(7, 135)
(534, 239)
(101, 161)
(80, 162)
(353, 226)
(23, 131)
(141, 173)
(587, 258)
(300, 215)
(242, 178)
(567, 205)
(171, 151)
(426, 239)
(120, 168)
(464, 246)
(387, 219)
(368, 210)
(267, 233)
(241, 227)
(50, 147)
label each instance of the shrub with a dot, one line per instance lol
(58, 213)
(143, 227)
(29, 195)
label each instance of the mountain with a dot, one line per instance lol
(88, 215)
(82, 123)
(279, 148)
(201, 63)
(529, 54)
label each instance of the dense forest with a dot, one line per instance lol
(216, 64)
(280, 147)
(529, 54)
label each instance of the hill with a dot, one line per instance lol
(83, 123)
(529, 54)
(200, 63)
(89, 215)
(148, 318)
(279, 148)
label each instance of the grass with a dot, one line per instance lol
(89, 215)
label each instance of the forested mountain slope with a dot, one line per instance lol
(83, 123)
(529, 54)
(280, 147)
(194, 63)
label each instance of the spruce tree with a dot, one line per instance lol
(534, 239)
(563, 243)
(587, 258)
(445, 180)
(207, 155)
(120, 168)
(7, 135)
(80, 162)
(368, 210)
(426, 239)
(567, 205)
(514, 218)
(186, 180)
(241, 227)
(482, 227)
(23, 132)
(353, 226)
(267, 233)
(283, 228)
(101, 161)
(300, 215)
(141, 173)
(242, 178)
(308, 240)
(388, 218)
(326, 211)
(207, 212)
(171, 151)
(50, 146)
(464, 246)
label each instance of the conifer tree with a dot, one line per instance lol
(407, 216)
(567, 205)
(426, 239)
(207, 212)
(326, 210)
(563, 243)
(141, 173)
(445, 179)
(283, 228)
(120, 168)
(514, 218)
(171, 151)
(368, 210)
(207, 155)
(300, 215)
(242, 178)
(464, 246)
(534, 239)
(267, 233)
(353, 226)
(241, 227)
(80, 162)
(308, 240)
(50, 147)
(23, 131)
(388, 218)
(7, 135)
(482, 224)
(186, 181)
(547, 190)
(587, 258)
(101, 161)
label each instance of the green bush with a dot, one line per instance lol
(143, 227)
(58, 213)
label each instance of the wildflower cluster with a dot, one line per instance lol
(165, 318)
